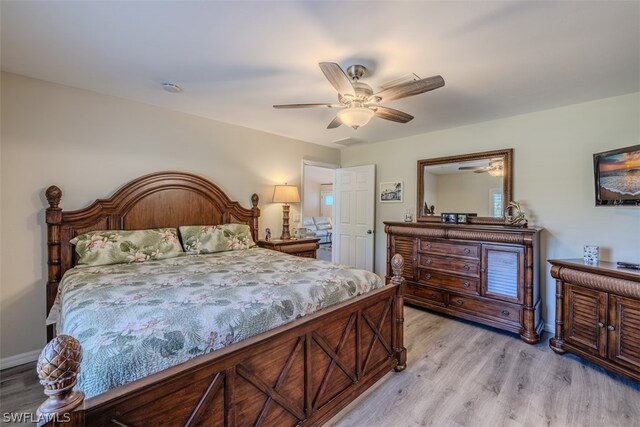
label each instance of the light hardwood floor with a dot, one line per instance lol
(463, 374)
(458, 374)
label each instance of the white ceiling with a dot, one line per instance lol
(235, 59)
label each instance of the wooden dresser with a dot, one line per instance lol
(598, 314)
(306, 248)
(488, 274)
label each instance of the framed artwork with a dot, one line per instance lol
(449, 218)
(617, 176)
(391, 191)
(463, 218)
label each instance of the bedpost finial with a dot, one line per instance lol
(397, 262)
(54, 194)
(58, 368)
(254, 200)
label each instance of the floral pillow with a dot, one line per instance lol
(126, 246)
(206, 239)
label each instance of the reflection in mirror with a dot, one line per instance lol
(477, 183)
(468, 187)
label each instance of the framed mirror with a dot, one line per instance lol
(478, 184)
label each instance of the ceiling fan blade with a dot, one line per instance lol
(473, 168)
(410, 88)
(334, 123)
(337, 78)
(305, 106)
(393, 115)
(481, 171)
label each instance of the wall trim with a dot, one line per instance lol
(19, 359)
(550, 327)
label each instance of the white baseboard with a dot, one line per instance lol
(550, 327)
(19, 359)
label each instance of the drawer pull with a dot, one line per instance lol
(427, 276)
(505, 313)
(600, 325)
(428, 261)
(459, 302)
(466, 267)
(467, 250)
(611, 328)
(466, 284)
(429, 245)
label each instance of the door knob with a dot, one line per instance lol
(600, 325)
(369, 231)
(611, 328)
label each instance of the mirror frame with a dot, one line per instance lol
(507, 183)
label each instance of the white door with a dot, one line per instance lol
(353, 234)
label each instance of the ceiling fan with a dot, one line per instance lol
(357, 102)
(495, 168)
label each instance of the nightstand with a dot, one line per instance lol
(304, 247)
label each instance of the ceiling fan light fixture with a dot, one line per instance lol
(356, 117)
(498, 171)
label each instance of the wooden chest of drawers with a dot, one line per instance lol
(598, 314)
(487, 274)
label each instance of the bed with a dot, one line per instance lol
(301, 371)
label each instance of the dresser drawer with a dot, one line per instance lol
(306, 254)
(458, 284)
(425, 293)
(451, 249)
(450, 265)
(501, 311)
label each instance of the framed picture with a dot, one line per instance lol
(463, 218)
(449, 218)
(391, 191)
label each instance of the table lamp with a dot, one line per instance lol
(285, 194)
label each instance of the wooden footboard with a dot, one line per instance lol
(301, 373)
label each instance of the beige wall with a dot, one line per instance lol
(465, 192)
(311, 198)
(553, 176)
(89, 144)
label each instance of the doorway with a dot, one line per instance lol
(317, 210)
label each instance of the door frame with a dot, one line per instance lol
(309, 162)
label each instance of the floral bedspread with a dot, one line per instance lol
(137, 319)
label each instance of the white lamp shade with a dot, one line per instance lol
(286, 194)
(355, 117)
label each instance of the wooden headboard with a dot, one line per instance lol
(163, 199)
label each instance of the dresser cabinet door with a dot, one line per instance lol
(503, 272)
(585, 312)
(408, 248)
(624, 331)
